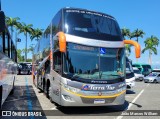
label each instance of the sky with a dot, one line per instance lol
(131, 14)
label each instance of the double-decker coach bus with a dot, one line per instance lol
(80, 59)
(8, 59)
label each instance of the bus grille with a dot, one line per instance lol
(91, 100)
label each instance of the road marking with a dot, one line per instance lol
(120, 117)
(30, 107)
(135, 99)
(54, 108)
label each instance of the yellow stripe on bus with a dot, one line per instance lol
(107, 96)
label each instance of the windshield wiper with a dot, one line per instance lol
(100, 74)
(74, 76)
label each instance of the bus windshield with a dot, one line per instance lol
(92, 25)
(137, 71)
(147, 68)
(86, 62)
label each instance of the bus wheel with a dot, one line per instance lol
(12, 91)
(1, 97)
(19, 72)
(50, 93)
(47, 90)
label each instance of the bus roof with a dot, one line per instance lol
(72, 8)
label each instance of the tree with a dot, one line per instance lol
(19, 55)
(128, 49)
(26, 29)
(125, 32)
(12, 22)
(17, 27)
(31, 48)
(36, 33)
(150, 45)
(138, 33)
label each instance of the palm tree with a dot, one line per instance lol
(125, 32)
(150, 45)
(36, 33)
(26, 29)
(12, 22)
(19, 55)
(18, 27)
(138, 33)
(31, 48)
(128, 49)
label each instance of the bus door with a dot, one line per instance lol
(56, 76)
(41, 74)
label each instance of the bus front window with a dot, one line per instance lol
(88, 63)
(92, 25)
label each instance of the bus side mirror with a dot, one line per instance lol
(2, 21)
(62, 42)
(136, 45)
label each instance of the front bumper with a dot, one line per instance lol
(81, 100)
(130, 84)
(139, 78)
(148, 81)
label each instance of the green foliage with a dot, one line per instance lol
(138, 33)
(12, 22)
(150, 45)
(128, 49)
(19, 55)
(29, 60)
(36, 33)
(125, 32)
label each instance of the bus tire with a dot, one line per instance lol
(47, 88)
(1, 97)
(12, 91)
(44, 84)
(19, 72)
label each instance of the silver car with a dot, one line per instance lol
(152, 77)
(137, 74)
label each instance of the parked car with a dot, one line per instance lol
(23, 68)
(152, 77)
(130, 78)
(138, 75)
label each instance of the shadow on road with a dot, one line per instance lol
(23, 99)
(130, 92)
(89, 111)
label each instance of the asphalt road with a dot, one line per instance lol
(145, 96)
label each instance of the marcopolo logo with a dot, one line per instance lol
(85, 87)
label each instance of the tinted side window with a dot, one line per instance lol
(57, 61)
(6, 44)
(56, 23)
(1, 42)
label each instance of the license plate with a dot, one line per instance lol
(99, 101)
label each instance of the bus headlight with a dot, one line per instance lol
(67, 98)
(72, 89)
(121, 89)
